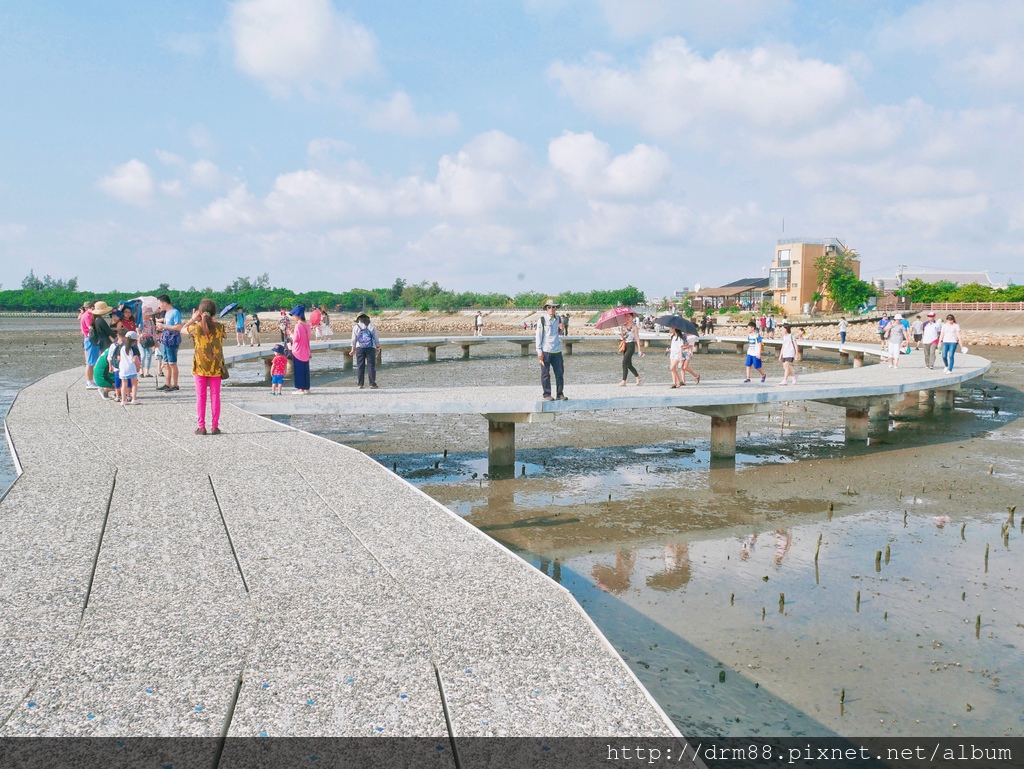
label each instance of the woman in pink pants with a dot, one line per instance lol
(207, 363)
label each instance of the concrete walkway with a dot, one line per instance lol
(269, 582)
(865, 392)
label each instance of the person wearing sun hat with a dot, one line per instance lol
(100, 337)
(549, 350)
(365, 344)
(299, 336)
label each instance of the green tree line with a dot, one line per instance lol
(947, 291)
(58, 295)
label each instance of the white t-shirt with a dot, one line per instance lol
(788, 346)
(126, 366)
(930, 332)
(754, 345)
(950, 332)
(676, 349)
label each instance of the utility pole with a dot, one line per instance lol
(902, 291)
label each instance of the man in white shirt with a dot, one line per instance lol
(930, 340)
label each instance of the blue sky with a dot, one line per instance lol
(520, 145)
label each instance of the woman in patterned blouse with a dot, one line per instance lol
(208, 362)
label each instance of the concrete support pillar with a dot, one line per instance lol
(348, 363)
(944, 399)
(267, 362)
(879, 413)
(525, 349)
(844, 358)
(568, 347)
(501, 446)
(703, 346)
(741, 347)
(723, 437)
(465, 352)
(926, 400)
(857, 425)
(858, 359)
(431, 354)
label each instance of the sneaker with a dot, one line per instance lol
(622, 383)
(639, 381)
(562, 397)
(173, 389)
(373, 387)
(163, 388)
(103, 395)
(945, 370)
(548, 398)
(745, 381)
(763, 377)
(200, 431)
(215, 431)
(135, 402)
(91, 386)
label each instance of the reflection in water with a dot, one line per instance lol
(677, 569)
(615, 579)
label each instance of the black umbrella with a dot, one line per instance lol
(227, 309)
(676, 321)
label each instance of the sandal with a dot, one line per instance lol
(697, 378)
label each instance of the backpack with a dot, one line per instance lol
(363, 336)
(114, 359)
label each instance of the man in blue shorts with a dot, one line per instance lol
(755, 343)
(170, 340)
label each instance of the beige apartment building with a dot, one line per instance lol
(793, 278)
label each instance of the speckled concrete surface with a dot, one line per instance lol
(358, 592)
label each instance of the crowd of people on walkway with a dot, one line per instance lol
(120, 349)
(899, 336)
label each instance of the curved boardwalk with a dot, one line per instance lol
(865, 392)
(269, 582)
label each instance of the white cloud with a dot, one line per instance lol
(674, 87)
(239, 210)
(205, 174)
(304, 198)
(130, 183)
(700, 18)
(11, 231)
(324, 148)
(299, 43)
(173, 188)
(169, 158)
(397, 115)
(931, 216)
(977, 40)
(851, 133)
(587, 163)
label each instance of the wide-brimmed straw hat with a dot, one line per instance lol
(101, 308)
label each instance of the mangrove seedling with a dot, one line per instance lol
(858, 601)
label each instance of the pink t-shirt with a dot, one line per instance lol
(300, 341)
(86, 321)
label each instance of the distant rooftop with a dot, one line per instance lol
(811, 242)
